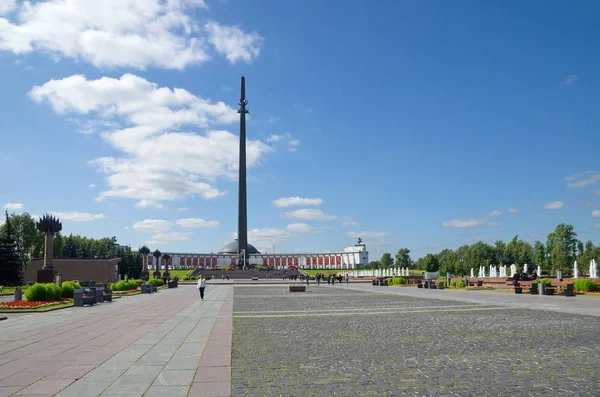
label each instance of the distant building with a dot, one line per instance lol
(354, 257)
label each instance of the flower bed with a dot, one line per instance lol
(128, 292)
(26, 305)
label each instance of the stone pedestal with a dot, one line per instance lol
(45, 275)
(156, 274)
(144, 274)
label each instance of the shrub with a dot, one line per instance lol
(194, 278)
(53, 292)
(459, 284)
(396, 281)
(68, 287)
(186, 278)
(156, 281)
(544, 281)
(35, 293)
(585, 285)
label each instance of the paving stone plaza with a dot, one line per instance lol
(329, 341)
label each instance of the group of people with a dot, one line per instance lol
(331, 278)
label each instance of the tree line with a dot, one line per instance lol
(561, 250)
(20, 239)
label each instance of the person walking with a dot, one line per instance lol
(201, 286)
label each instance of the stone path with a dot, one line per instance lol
(388, 341)
(164, 344)
(580, 304)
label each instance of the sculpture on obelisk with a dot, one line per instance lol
(48, 225)
(242, 210)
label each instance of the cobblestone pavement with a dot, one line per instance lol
(335, 342)
(164, 344)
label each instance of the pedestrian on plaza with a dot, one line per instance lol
(347, 279)
(328, 280)
(201, 286)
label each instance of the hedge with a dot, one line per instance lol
(544, 281)
(156, 281)
(68, 287)
(43, 292)
(585, 285)
(124, 285)
(396, 281)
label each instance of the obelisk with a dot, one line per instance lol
(242, 210)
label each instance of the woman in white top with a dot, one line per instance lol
(201, 286)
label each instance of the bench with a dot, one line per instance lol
(81, 297)
(107, 295)
(297, 288)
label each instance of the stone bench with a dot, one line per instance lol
(297, 288)
(82, 297)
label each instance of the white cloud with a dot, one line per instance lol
(156, 242)
(148, 204)
(584, 179)
(182, 209)
(494, 213)
(264, 239)
(366, 234)
(294, 142)
(188, 164)
(272, 119)
(596, 214)
(309, 214)
(126, 228)
(77, 216)
(196, 223)
(275, 138)
(299, 228)
(555, 205)
(234, 43)
(13, 206)
(7, 6)
(109, 33)
(350, 223)
(571, 80)
(152, 225)
(458, 223)
(514, 210)
(91, 186)
(284, 202)
(172, 236)
(597, 226)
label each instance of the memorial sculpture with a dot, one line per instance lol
(48, 225)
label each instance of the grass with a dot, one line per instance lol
(179, 273)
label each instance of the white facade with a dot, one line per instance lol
(354, 257)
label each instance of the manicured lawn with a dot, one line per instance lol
(179, 273)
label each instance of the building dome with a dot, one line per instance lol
(232, 249)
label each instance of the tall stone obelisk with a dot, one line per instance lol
(242, 210)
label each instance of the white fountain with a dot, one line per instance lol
(575, 270)
(525, 268)
(539, 271)
(593, 269)
(513, 270)
(472, 274)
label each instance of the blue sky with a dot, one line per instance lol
(410, 124)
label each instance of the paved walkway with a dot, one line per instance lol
(164, 344)
(580, 304)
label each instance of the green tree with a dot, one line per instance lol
(373, 265)
(386, 261)
(539, 255)
(10, 263)
(430, 263)
(480, 254)
(57, 246)
(448, 262)
(462, 260)
(70, 248)
(566, 237)
(560, 257)
(403, 258)
(499, 248)
(25, 234)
